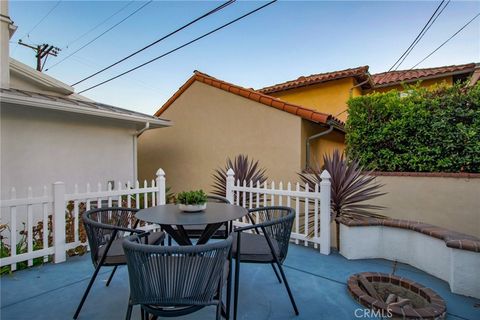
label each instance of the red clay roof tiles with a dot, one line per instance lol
(379, 79)
(251, 94)
(361, 73)
(387, 78)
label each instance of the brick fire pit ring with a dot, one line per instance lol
(428, 304)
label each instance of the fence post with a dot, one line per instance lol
(59, 222)
(161, 186)
(325, 215)
(230, 184)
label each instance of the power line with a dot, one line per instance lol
(159, 40)
(415, 41)
(418, 36)
(100, 35)
(182, 46)
(99, 24)
(42, 19)
(445, 42)
(93, 65)
(433, 21)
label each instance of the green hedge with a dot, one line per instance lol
(426, 131)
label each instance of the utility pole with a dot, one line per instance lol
(41, 52)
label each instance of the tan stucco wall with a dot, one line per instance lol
(452, 203)
(324, 144)
(329, 97)
(211, 125)
(327, 144)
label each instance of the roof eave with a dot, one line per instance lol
(305, 113)
(359, 72)
(336, 124)
(389, 84)
(61, 106)
(39, 78)
(178, 93)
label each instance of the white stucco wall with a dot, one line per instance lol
(458, 267)
(39, 147)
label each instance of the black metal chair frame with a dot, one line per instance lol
(114, 229)
(192, 232)
(133, 246)
(261, 229)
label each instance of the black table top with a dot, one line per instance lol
(170, 214)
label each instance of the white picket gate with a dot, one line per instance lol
(55, 202)
(311, 204)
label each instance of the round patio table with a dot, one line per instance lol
(169, 215)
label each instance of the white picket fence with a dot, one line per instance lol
(55, 202)
(311, 204)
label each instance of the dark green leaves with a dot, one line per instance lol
(427, 131)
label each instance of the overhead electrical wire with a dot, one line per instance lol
(415, 41)
(180, 47)
(100, 35)
(433, 21)
(93, 65)
(420, 35)
(446, 41)
(99, 24)
(218, 8)
(41, 20)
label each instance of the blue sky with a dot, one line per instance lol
(285, 40)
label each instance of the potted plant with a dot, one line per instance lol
(192, 201)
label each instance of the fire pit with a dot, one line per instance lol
(396, 296)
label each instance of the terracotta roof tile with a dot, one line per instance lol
(361, 73)
(379, 79)
(290, 109)
(392, 77)
(251, 94)
(244, 93)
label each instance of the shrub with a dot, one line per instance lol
(427, 131)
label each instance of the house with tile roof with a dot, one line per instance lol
(49, 133)
(215, 119)
(297, 121)
(329, 92)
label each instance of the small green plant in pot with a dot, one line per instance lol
(192, 201)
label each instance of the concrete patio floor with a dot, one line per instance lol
(318, 283)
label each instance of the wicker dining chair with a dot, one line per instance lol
(106, 228)
(266, 242)
(170, 281)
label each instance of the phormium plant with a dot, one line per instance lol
(245, 169)
(350, 188)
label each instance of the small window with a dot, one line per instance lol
(404, 94)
